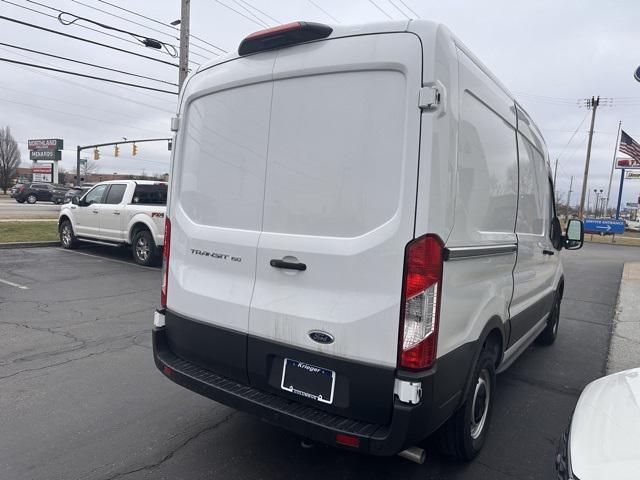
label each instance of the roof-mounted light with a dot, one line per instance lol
(283, 36)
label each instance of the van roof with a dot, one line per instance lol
(428, 31)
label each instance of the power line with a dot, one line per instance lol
(323, 11)
(380, 9)
(66, 102)
(261, 23)
(76, 115)
(2, 59)
(87, 63)
(81, 26)
(2, 17)
(99, 91)
(143, 39)
(161, 23)
(398, 9)
(144, 26)
(260, 11)
(246, 9)
(573, 135)
(409, 8)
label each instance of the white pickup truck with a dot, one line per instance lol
(118, 212)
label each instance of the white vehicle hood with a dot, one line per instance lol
(605, 430)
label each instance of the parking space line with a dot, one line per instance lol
(107, 259)
(11, 284)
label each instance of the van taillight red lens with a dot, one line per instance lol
(282, 36)
(420, 309)
(165, 262)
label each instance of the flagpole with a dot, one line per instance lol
(620, 194)
(613, 164)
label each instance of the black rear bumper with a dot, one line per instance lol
(408, 423)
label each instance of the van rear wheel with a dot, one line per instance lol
(464, 434)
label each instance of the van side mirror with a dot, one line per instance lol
(574, 238)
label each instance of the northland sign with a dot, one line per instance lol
(45, 144)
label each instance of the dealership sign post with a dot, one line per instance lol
(632, 168)
(47, 149)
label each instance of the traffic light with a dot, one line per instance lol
(134, 150)
(116, 151)
(96, 154)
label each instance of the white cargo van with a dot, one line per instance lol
(360, 233)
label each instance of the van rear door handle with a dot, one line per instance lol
(290, 265)
(548, 252)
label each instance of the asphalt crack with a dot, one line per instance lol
(173, 451)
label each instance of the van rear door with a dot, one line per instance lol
(339, 209)
(216, 212)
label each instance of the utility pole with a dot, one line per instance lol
(613, 163)
(184, 42)
(593, 104)
(569, 198)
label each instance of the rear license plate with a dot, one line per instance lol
(308, 381)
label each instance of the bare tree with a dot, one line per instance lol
(9, 158)
(87, 168)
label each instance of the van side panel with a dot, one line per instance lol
(478, 288)
(438, 135)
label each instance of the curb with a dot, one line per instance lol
(624, 350)
(6, 246)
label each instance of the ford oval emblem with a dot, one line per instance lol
(321, 337)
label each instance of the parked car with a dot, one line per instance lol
(67, 196)
(34, 192)
(357, 264)
(119, 212)
(602, 440)
(14, 190)
(632, 225)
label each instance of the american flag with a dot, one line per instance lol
(629, 146)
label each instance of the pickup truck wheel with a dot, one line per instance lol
(550, 332)
(67, 237)
(144, 249)
(464, 434)
(31, 199)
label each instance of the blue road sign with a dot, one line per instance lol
(603, 225)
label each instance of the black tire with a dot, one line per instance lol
(31, 199)
(144, 249)
(550, 332)
(464, 434)
(67, 237)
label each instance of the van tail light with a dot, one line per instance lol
(165, 262)
(283, 36)
(420, 308)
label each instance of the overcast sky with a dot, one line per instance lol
(548, 53)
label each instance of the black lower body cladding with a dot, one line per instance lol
(245, 372)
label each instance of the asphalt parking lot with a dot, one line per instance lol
(80, 397)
